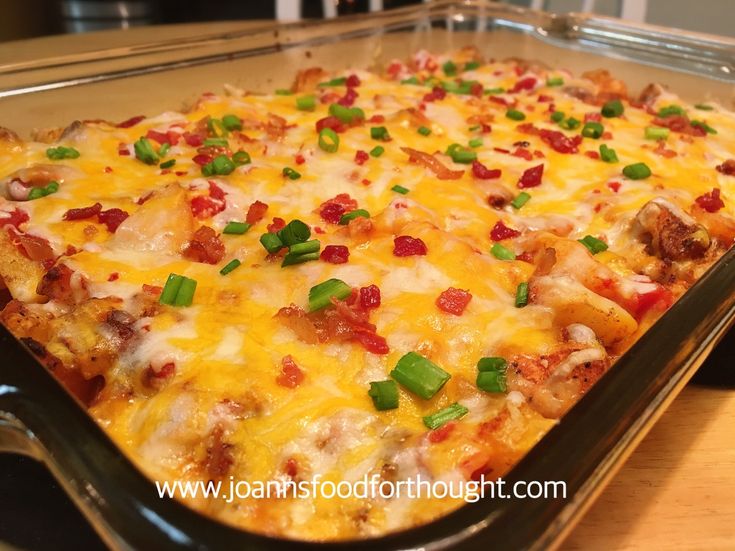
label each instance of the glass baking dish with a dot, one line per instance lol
(38, 417)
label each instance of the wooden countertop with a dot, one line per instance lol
(677, 490)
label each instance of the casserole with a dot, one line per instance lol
(724, 304)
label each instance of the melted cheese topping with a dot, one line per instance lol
(227, 348)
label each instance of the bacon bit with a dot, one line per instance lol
(112, 218)
(291, 376)
(475, 466)
(476, 90)
(332, 210)
(14, 218)
(114, 276)
(528, 83)
(442, 433)
(369, 297)
(592, 117)
(291, 467)
(193, 140)
(122, 150)
(453, 301)
(525, 257)
(539, 154)
(523, 154)
(335, 254)
(543, 98)
(154, 290)
(659, 299)
(372, 342)
(144, 198)
(219, 455)
(592, 154)
(615, 186)
(499, 100)
(203, 206)
(365, 182)
(352, 81)
(501, 150)
(331, 122)
(159, 137)
(349, 98)
(31, 246)
(377, 119)
(531, 177)
(319, 230)
(201, 159)
(277, 225)
(560, 142)
(681, 124)
(437, 93)
(56, 284)
(394, 69)
(132, 121)
(405, 245)
(361, 157)
(710, 201)
(256, 212)
(500, 232)
(107, 169)
(527, 128)
(482, 172)
(727, 168)
(83, 212)
(299, 159)
(432, 163)
(205, 246)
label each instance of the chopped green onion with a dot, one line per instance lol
(593, 130)
(345, 218)
(305, 247)
(471, 65)
(475, 142)
(294, 232)
(656, 133)
(377, 151)
(515, 115)
(293, 258)
(419, 375)
(223, 165)
(410, 80)
(502, 253)
(339, 81)
(670, 110)
(38, 192)
(475, 127)
(167, 164)
(216, 128)
(320, 296)
(570, 124)
(521, 199)
(461, 155)
(236, 228)
(271, 242)
(493, 91)
(328, 140)
(557, 116)
(379, 133)
(346, 114)
(290, 173)
(704, 126)
(492, 363)
(241, 158)
(449, 68)
(61, 152)
(522, 295)
(703, 107)
(215, 142)
(613, 108)
(463, 87)
(170, 289)
(424, 131)
(608, 154)
(306, 103)
(593, 244)
(144, 151)
(164, 149)
(637, 171)
(185, 296)
(554, 81)
(232, 122)
(231, 265)
(283, 92)
(384, 394)
(400, 189)
(442, 417)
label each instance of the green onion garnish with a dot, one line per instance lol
(521, 199)
(410, 80)
(424, 131)
(236, 228)
(593, 244)
(460, 155)
(328, 140)
(557, 116)
(502, 253)
(305, 247)
(554, 81)
(214, 142)
(185, 296)
(491, 374)
(284, 92)
(345, 218)
(216, 128)
(290, 173)
(384, 394)
(293, 258)
(377, 151)
(400, 189)
(306, 103)
(442, 417)
(471, 65)
(222, 165)
(570, 124)
(608, 154)
(656, 133)
(178, 291)
(231, 265)
(419, 375)
(522, 295)
(703, 107)
(593, 130)
(232, 122)
(637, 171)
(320, 296)
(670, 110)
(167, 164)
(492, 363)
(38, 192)
(163, 150)
(449, 68)
(613, 108)
(703, 125)
(144, 151)
(61, 152)
(294, 232)
(475, 142)
(379, 133)
(271, 242)
(241, 158)
(493, 91)
(339, 81)
(515, 115)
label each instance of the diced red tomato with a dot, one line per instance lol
(531, 177)
(500, 231)
(453, 301)
(335, 254)
(405, 245)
